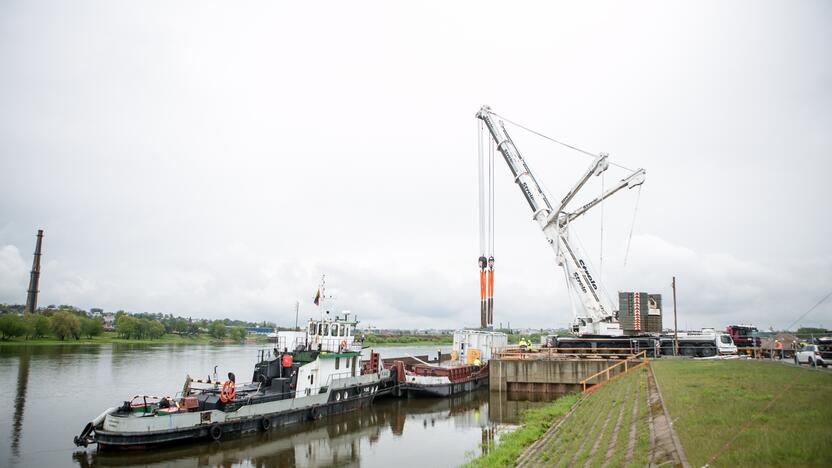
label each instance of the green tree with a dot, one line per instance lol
(37, 325)
(66, 325)
(811, 331)
(180, 326)
(91, 327)
(155, 330)
(217, 329)
(237, 334)
(126, 326)
(12, 325)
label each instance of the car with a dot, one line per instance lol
(810, 354)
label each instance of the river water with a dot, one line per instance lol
(48, 393)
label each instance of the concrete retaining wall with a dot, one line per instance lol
(556, 376)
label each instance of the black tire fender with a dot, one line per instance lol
(266, 424)
(215, 431)
(315, 413)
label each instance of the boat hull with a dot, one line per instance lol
(444, 389)
(161, 430)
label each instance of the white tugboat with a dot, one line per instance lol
(307, 376)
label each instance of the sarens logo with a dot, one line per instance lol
(588, 276)
(580, 283)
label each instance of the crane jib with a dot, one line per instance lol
(597, 315)
(588, 275)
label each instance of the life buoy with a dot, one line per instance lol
(216, 431)
(227, 392)
(344, 344)
(265, 423)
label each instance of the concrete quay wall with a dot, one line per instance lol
(555, 376)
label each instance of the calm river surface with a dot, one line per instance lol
(50, 392)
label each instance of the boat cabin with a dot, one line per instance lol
(331, 335)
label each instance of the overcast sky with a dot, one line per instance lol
(214, 160)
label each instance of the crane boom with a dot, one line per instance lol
(598, 317)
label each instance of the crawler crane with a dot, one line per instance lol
(596, 325)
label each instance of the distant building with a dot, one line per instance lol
(259, 330)
(95, 312)
(109, 321)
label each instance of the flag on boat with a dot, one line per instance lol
(317, 300)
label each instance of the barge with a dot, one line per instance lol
(465, 371)
(293, 382)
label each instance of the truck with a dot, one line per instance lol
(595, 324)
(703, 343)
(745, 337)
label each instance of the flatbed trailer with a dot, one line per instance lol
(605, 346)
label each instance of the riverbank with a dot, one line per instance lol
(748, 413)
(408, 340)
(610, 426)
(721, 413)
(113, 338)
(535, 423)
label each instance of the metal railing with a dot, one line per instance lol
(606, 372)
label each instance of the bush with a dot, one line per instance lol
(11, 326)
(66, 325)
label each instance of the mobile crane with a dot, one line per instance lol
(596, 326)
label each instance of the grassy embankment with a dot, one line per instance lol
(748, 413)
(535, 423)
(112, 337)
(609, 425)
(408, 340)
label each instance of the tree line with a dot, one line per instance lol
(61, 324)
(68, 322)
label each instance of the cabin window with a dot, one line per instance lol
(326, 330)
(354, 365)
(311, 328)
(348, 363)
(335, 329)
(311, 379)
(338, 363)
(347, 331)
(320, 328)
(343, 330)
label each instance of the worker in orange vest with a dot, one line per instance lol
(779, 346)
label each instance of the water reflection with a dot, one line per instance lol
(346, 440)
(20, 399)
(429, 432)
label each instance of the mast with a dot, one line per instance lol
(34, 279)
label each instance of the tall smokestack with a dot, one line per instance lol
(32, 298)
